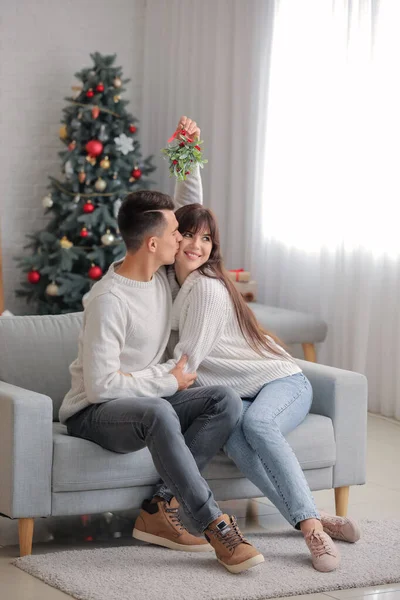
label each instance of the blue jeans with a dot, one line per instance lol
(258, 447)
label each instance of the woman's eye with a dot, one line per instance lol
(207, 239)
(187, 234)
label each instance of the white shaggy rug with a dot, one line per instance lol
(152, 573)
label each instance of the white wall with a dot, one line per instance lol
(42, 45)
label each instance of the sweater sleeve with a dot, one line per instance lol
(205, 320)
(103, 340)
(189, 191)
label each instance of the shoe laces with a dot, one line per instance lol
(174, 517)
(334, 525)
(232, 538)
(319, 543)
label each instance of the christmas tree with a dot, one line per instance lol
(101, 163)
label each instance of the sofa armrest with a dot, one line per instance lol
(342, 396)
(26, 444)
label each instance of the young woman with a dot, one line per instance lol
(216, 330)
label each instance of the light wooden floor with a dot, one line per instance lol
(380, 498)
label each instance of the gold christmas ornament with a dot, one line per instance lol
(108, 238)
(105, 163)
(52, 289)
(91, 160)
(63, 132)
(117, 99)
(65, 243)
(117, 82)
(100, 185)
(47, 201)
(76, 90)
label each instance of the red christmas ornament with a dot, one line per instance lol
(197, 147)
(100, 87)
(187, 173)
(136, 173)
(95, 272)
(84, 233)
(90, 93)
(95, 112)
(94, 148)
(175, 162)
(88, 207)
(181, 145)
(132, 128)
(72, 146)
(33, 276)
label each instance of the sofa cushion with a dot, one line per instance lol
(82, 465)
(291, 326)
(36, 351)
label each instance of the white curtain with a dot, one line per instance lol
(325, 227)
(298, 104)
(201, 58)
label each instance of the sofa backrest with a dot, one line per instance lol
(36, 351)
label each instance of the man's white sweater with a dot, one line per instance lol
(126, 326)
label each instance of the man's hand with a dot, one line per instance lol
(191, 128)
(184, 380)
(125, 374)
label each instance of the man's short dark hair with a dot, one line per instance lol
(138, 217)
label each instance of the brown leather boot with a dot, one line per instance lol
(159, 523)
(232, 549)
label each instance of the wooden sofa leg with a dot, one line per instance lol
(342, 500)
(25, 531)
(309, 352)
(251, 512)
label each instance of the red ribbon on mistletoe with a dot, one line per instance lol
(180, 132)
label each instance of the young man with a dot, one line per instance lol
(122, 401)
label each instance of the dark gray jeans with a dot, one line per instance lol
(205, 415)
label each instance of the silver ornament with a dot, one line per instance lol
(77, 199)
(75, 124)
(47, 201)
(116, 207)
(100, 185)
(103, 136)
(69, 170)
(117, 82)
(108, 238)
(52, 289)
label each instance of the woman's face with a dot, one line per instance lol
(194, 250)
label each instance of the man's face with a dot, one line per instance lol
(168, 242)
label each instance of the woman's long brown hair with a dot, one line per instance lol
(196, 218)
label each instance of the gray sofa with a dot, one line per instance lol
(45, 472)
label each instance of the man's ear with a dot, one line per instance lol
(152, 244)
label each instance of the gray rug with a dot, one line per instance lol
(153, 573)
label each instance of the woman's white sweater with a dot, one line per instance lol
(205, 328)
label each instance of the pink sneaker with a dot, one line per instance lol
(324, 554)
(340, 528)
